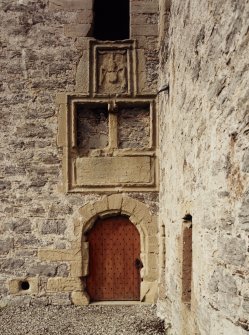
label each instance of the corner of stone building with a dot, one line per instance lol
(203, 148)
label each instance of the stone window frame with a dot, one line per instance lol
(67, 138)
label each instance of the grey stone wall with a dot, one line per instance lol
(204, 128)
(41, 48)
(134, 127)
(92, 128)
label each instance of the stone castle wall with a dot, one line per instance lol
(44, 52)
(46, 58)
(204, 133)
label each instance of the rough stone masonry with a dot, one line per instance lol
(69, 101)
(204, 146)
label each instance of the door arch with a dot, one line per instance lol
(114, 260)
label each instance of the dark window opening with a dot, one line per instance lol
(111, 20)
(24, 285)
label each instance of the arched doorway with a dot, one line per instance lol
(114, 260)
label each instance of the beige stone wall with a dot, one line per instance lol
(204, 163)
(44, 56)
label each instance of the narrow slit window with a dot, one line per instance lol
(111, 20)
(187, 260)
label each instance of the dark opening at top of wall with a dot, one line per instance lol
(111, 20)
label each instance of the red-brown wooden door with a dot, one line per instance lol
(114, 251)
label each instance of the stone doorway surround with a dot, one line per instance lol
(78, 257)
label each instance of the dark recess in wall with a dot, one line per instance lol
(111, 20)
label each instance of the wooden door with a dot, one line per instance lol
(114, 253)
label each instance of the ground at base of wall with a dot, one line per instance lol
(71, 320)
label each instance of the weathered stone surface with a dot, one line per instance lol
(53, 227)
(62, 271)
(48, 270)
(134, 127)
(232, 250)
(70, 4)
(20, 226)
(6, 245)
(79, 298)
(16, 288)
(77, 30)
(244, 213)
(44, 59)
(115, 201)
(64, 284)
(245, 161)
(203, 150)
(9, 264)
(92, 128)
(59, 255)
(97, 170)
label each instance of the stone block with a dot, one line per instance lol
(128, 205)
(59, 255)
(21, 226)
(142, 214)
(6, 245)
(143, 84)
(11, 263)
(57, 227)
(82, 74)
(152, 227)
(23, 286)
(153, 244)
(143, 7)
(77, 30)
(76, 269)
(79, 298)
(245, 161)
(61, 98)
(133, 219)
(47, 270)
(70, 4)
(144, 30)
(227, 284)
(78, 228)
(60, 284)
(232, 250)
(104, 171)
(152, 261)
(84, 16)
(149, 291)
(82, 43)
(152, 294)
(62, 270)
(244, 213)
(87, 211)
(85, 251)
(101, 206)
(115, 201)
